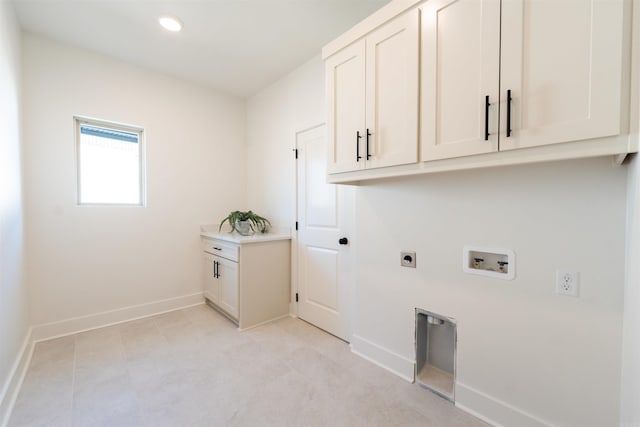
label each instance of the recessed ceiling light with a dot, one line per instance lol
(170, 23)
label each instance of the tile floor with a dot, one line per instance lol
(193, 368)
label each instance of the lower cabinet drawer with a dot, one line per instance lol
(221, 248)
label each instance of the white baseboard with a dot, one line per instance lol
(9, 392)
(74, 325)
(475, 402)
(47, 331)
(494, 411)
(257, 325)
(392, 362)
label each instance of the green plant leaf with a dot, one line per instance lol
(257, 223)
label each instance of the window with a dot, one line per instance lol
(110, 163)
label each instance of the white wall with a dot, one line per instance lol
(551, 358)
(630, 384)
(274, 115)
(86, 260)
(518, 342)
(630, 393)
(13, 294)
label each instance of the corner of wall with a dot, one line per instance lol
(14, 315)
(630, 369)
(9, 393)
(630, 366)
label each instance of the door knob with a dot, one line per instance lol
(343, 241)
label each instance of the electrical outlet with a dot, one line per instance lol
(408, 259)
(567, 283)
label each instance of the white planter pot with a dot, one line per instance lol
(243, 228)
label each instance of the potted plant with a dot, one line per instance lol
(246, 223)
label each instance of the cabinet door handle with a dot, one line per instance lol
(486, 118)
(368, 135)
(215, 269)
(358, 136)
(509, 113)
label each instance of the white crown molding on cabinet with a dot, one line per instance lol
(367, 25)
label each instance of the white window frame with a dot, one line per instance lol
(81, 120)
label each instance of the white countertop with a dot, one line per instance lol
(211, 232)
(237, 238)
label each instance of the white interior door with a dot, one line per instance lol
(324, 284)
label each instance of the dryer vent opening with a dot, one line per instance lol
(436, 353)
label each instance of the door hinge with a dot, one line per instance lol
(295, 150)
(296, 225)
(296, 297)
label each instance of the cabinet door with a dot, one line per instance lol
(345, 86)
(228, 282)
(460, 67)
(392, 72)
(562, 61)
(208, 278)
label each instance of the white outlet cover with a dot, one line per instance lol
(567, 283)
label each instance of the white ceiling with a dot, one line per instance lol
(235, 46)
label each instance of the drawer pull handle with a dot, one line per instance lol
(217, 249)
(509, 113)
(486, 118)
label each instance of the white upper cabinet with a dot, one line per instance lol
(345, 88)
(562, 62)
(372, 98)
(544, 72)
(460, 77)
(392, 92)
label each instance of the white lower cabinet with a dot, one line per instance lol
(211, 285)
(227, 272)
(249, 281)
